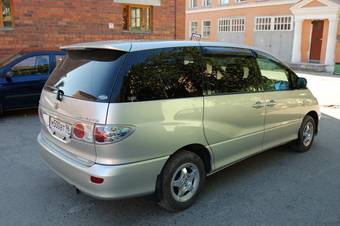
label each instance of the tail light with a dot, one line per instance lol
(83, 132)
(79, 131)
(108, 134)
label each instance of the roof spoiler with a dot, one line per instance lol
(118, 46)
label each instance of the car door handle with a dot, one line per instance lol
(271, 103)
(258, 104)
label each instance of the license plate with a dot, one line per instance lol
(59, 127)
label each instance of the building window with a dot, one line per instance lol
(206, 3)
(276, 23)
(240, 1)
(224, 2)
(231, 25)
(193, 28)
(193, 3)
(262, 23)
(206, 29)
(137, 18)
(283, 23)
(6, 18)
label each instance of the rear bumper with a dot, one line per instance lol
(120, 181)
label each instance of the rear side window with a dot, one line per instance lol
(229, 73)
(162, 74)
(87, 74)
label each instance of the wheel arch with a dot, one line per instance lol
(315, 116)
(203, 152)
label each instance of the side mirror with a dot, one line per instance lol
(8, 75)
(301, 83)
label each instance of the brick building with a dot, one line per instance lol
(42, 24)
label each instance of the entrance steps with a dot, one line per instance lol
(309, 67)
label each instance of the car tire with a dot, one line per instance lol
(1, 110)
(181, 181)
(306, 135)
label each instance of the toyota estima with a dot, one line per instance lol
(122, 119)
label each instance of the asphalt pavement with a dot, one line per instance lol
(277, 187)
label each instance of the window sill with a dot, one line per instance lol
(137, 32)
(7, 28)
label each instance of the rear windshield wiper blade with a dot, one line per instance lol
(53, 88)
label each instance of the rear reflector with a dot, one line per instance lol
(97, 180)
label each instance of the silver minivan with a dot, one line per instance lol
(123, 119)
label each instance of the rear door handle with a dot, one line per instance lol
(271, 103)
(258, 104)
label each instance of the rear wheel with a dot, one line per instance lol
(306, 134)
(181, 181)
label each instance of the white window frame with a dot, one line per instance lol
(190, 31)
(269, 23)
(232, 24)
(224, 3)
(204, 3)
(191, 4)
(203, 27)
(240, 1)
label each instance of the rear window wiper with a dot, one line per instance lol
(51, 87)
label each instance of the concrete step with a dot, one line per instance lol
(309, 67)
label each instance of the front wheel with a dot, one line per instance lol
(306, 134)
(181, 181)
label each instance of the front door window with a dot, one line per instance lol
(37, 65)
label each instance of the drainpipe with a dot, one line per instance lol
(175, 19)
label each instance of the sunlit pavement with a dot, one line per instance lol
(277, 187)
(326, 88)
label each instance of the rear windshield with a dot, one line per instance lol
(87, 74)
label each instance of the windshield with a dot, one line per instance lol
(9, 59)
(87, 74)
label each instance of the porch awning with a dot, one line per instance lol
(140, 2)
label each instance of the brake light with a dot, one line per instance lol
(79, 131)
(99, 135)
(108, 134)
(83, 132)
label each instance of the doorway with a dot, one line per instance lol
(316, 41)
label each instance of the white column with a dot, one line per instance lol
(296, 54)
(331, 42)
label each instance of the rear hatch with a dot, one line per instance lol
(76, 98)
